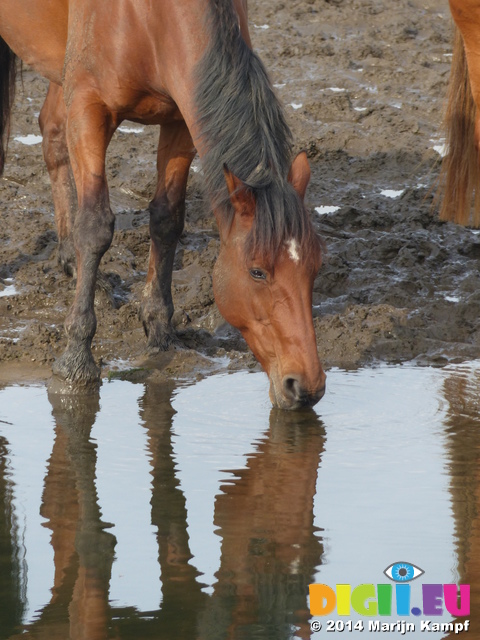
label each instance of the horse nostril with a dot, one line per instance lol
(292, 387)
(295, 392)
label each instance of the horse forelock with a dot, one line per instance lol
(242, 125)
(282, 220)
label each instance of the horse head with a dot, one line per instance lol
(268, 296)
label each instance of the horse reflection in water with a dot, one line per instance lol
(83, 549)
(462, 392)
(12, 607)
(269, 548)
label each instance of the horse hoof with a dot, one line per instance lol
(165, 341)
(77, 368)
(81, 396)
(160, 337)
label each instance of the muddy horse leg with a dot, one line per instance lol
(167, 212)
(89, 130)
(52, 120)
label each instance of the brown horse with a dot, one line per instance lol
(460, 178)
(189, 67)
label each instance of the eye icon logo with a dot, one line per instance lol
(403, 572)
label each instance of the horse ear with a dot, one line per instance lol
(241, 197)
(299, 174)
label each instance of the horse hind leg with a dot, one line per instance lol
(167, 213)
(52, 120)
(7, 94)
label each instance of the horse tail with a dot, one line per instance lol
(460, 173)
(8, 68)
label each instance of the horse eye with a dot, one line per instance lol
(258, 274)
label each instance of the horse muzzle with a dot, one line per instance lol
(292, 392)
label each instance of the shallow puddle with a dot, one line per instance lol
(198, 512)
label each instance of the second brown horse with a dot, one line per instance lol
(188, 66)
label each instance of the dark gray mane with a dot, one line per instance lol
(243, 126)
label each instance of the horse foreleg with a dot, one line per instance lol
(52, 120)
(89, 130)
(167, 213)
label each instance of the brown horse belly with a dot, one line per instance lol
(36, 30)
(152, 109)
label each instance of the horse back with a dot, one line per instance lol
(139, 58)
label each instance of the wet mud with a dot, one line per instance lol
(364, 85)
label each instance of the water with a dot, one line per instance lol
(198, 512)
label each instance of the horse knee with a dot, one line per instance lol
(52, 122)
(93, 234)
(166, 220)
(54, 145)
(50, 127)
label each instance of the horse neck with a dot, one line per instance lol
(202, 25)
(237, 119)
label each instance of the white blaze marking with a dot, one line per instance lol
(293, 250)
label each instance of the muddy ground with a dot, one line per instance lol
(364, 84)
